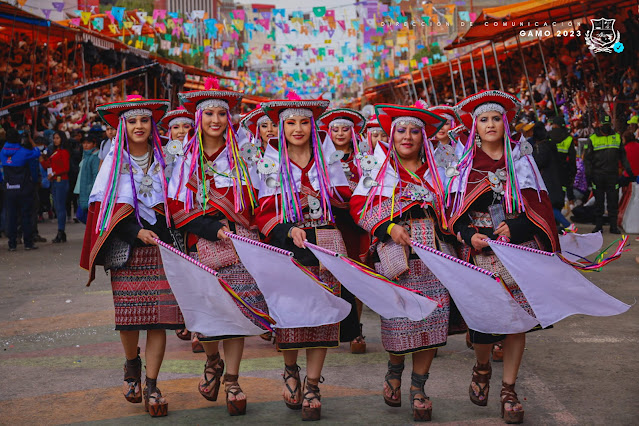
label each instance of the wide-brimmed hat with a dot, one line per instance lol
(466, 107)
(250, 120)
(198, 99)
(274, 108)
(179, 113)
(358, 121)
(111, 112)
(444, 111)
(386, 113)
(372, 123)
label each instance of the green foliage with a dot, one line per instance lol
(429, 52)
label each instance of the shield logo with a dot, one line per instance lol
(602, 37)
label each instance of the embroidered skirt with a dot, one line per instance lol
(325, 336)
(490, 262)
(401, 335)
(234, 275)
(141, 294)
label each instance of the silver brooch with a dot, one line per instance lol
(525, 148)
(445, 155)
(146, 185)
(250, 152)
(419, 193)
(368, 162)
(335, 157)
(452, 171)
(266, 166)
(315, 207)
(364, 146)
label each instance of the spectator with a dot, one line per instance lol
(59, 177)
(88, 172)
(19, 188)
(602, 155)
(105, 145)
(566, 154)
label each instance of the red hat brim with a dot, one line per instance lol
(443, 109)
(465, 107)
(249, 121)
(192, 99)
(176, 113)
(387, 113)
(111, 112)
(358, 119)
(274, 108)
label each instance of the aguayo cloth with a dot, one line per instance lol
(325, 336)
(141, 294)
(401, 335)
(488, 260)
(234, 274)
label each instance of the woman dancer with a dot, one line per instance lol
(344, 127)
(127, 210)
(212, 194)
(400, 199)
(498, 192)
(260, 127)
(301, 209)
(374, 132)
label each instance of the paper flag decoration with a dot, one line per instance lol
(294, 299)
(480, 296)
(554, 289)
(206, 306)
(118, 13)
(382, 296)
(58, 5)
(576, 246)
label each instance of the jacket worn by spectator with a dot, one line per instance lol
(88, 173)
(602, 155)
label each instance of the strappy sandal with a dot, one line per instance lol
(209, 386)
(509, 396)
(481, 397)
(268, 336)
(312, 393)
(394, 373)
(235, 407)
(417, 382)
(154, 403)
(293, 372)
(183, 334)
(498, 352)
(358, 345)
(132, 387)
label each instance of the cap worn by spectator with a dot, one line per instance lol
(529, 127)
(633, 120)
(559, 120)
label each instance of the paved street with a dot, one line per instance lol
(61, 360)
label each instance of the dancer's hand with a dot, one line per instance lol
(503, 229)
(399, 234)
(299, 236)
(221, 233)
(479, 241)
(147, 236)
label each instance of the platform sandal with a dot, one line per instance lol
(312, 393)
(394, 373)
(293, 372)
(509, 396)
(235, 407)
(498, 352)
(417, 382)
(358, 345)
(481, 397)
(196, 345)
(132, 387)
(154, 403)
(183, 334)
(209, 385)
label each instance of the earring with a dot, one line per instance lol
(477, 141)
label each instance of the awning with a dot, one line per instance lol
(502, 22)
(13, 18)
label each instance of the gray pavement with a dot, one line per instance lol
(61, 361)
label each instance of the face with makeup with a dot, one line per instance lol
(214, 122)
(138, 129)
(408, 141)
(342, 137)
(297, 130)
(179, 130)
(376, 136)
(267, 131)
(442, 134)
(490, 127)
